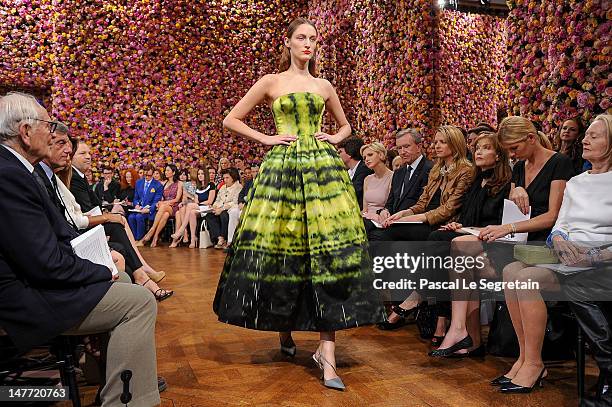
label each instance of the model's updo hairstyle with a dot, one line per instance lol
(285, 59)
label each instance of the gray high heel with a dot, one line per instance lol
(335, 383)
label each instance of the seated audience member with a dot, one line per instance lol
(472, 134)
(376, 186)
(167, 206)
(212, 175)
(348, 150)
(587, 197)
(391, 156)
(407, 183)
(397, 163)
(538, 182)
(141, 172)
(147, 192)
(46, 289)
(189, 179)
(482, 205)
(125, 197)
(157, 176)
(234, 213)
(107, 189)
(183, 175)
(227, 198)
(58, 161)
(568, 141)
(538, 179)
(240, 165)
(190, 201)
(440, 203)
(224, 164)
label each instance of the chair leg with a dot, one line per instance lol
(68, 372)
(580, 363)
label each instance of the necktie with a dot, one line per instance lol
(40, 182)
(406, 179)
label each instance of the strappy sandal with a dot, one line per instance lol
(160, 294)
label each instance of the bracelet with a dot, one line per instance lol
(594, 256)
(549, 239)
(512, 229)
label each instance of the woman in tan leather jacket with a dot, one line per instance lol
(440, 203)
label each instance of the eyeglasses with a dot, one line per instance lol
(52, 125)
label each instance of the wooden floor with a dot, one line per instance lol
(208, 363)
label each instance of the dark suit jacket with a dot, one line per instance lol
(244, 192)
(84, 195)
(110, 194)
(398, 202)
(360, 174)
(45, 289)
(149, 197)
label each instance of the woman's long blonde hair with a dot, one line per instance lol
(456, 141)
(285, 59)
(513, 129)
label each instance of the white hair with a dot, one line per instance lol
(16, 107)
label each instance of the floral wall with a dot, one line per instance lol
(471, 68)
(379, 55)
(559, 56)
(145, 82)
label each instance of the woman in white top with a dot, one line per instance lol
(376, 186)
(227, 197)
(585, 216)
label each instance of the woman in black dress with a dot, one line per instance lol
(125, 196)
(538, 182)
(568, 141)
(483, 205)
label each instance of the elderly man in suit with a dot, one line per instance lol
(147, 193)
(349, 151)
(407, 183)
(45, 289)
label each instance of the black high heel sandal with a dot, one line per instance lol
(465, 343)
(403, 314)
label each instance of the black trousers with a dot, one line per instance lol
(116, 234)
(217, 225)
(402, 232)
(585, 291)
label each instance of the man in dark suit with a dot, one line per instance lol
(79, 186)
(107, 189)
(45, 289)
(407, 183)
(349, 151)
(147, 194)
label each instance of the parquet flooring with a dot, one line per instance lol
(208, 363)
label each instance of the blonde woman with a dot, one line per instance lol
(375, 186)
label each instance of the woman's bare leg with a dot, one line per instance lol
(533, 316)
(327, 349)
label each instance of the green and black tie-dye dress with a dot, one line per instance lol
(299, 259)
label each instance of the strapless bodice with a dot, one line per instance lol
(298, 113)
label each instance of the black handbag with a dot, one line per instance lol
(559, 337)
(426, 320)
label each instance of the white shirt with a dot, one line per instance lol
(414, 165)
(78, 172)
(352, 171)
(586, 212)
(73, 209)
(25, 162)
